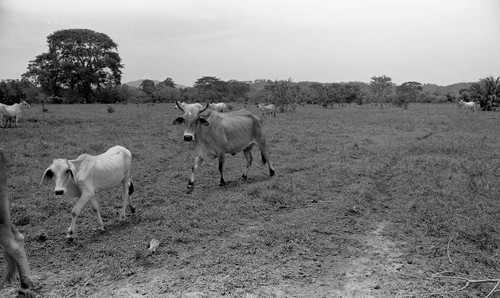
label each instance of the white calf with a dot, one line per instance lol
(470, 106)
(12, 111)
(269, 109)
(88, 174)
(219, 107)
(184, 104)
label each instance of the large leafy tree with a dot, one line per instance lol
(407, 92)
(78, 60)
(487, 92)
(211, 88)
(381, 88)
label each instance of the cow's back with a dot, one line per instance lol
(105, 171)
(231, 132)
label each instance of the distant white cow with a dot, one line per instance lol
(467, 105)
(11, 112)
(267, 109)
(10, 239)
(88, 174)
(219, 107)
(184, 104)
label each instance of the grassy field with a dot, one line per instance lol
(366, 203)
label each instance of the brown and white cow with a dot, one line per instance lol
(215, 134)
(10, 238)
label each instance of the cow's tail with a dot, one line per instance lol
(131, 188)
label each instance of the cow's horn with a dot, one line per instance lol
(206, 107)
(179, 106)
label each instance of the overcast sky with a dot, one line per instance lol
(428, 41)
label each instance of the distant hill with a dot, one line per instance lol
(138, 83)
(453, 89)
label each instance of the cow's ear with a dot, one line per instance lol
(179, 120)
(47, 175)
(203, 121)
(71, 174)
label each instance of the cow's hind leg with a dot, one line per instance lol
(247, 152)
(197, 163)
(221, 169)
(125, 203)
(96, 208)
(265, 158)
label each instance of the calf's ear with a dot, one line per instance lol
(178, 121)
(71, 174)
(47, 175)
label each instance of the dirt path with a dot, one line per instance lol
(367, 266)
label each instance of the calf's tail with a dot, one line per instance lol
(131, 188)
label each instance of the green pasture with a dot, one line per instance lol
(432, 172)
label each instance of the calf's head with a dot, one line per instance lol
(64, 172)
(192, 119)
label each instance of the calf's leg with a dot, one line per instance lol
(96, 208)
(221, 170)
(84, 198)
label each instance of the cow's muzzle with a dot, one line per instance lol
(188, 138)
(59, 192)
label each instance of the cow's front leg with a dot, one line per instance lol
(197, 163)
(221, 170)
(84, 198)
(21, 260)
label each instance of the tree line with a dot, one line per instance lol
(83, 66)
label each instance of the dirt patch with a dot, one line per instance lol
(363, 265)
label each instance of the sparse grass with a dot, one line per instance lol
(431, 171)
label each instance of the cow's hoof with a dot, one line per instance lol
(189, 190)
(244, 177)
(132, 209)
(222, 183)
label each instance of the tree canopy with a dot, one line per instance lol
(79, 61)
(381, 87)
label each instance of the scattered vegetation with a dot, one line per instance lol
(430, 172)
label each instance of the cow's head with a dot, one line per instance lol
(24, 103)
(192, 120)
(64, 172)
